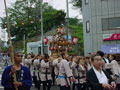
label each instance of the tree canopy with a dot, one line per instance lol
(77, 3)
(25, 18)
(78, 32)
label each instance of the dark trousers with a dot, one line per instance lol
(78, 86)
(118, 86)
(6, 63)
(53, 76)
(84, 86)
(35, 80)
(46, 85)
(64, 88)
(38, 84)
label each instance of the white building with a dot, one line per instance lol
(35, 47)
(3, 36)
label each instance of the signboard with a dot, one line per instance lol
(114, 48)
(108, 37)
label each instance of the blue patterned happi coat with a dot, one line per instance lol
(24, 77)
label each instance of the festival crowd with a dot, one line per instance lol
(98, 71)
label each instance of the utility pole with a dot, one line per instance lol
(67, 7)
(24, 43)
(42, 42)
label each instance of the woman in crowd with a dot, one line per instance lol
(87, 62)
(23, 76)
(79, 73)
(76, 72)
(115, 69)
(83, 70)
(27, 62)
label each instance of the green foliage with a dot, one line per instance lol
(73, 21)
(78, 32)
(4, 49)
(25, 18)
(77, 3)
(71, 52)
(53, 19)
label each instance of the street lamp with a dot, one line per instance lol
(67, 7)
(42, 42)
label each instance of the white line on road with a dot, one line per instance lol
(1, 87)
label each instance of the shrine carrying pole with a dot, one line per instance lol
(10, 41)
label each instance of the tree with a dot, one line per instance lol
(25, 18)
(74, 21)
(77, 3)
(78, 32)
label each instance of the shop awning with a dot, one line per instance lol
(114, 48)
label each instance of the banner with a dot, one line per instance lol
(115, 36)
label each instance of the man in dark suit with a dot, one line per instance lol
(98, 79)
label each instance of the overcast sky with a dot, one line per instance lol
(58, 4)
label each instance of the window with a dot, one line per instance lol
(87, 26)
(86, 2)
(111, 23)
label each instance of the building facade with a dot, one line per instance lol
(101, 23)
(35, 47)
(3, 37)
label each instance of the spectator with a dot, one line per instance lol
(97, 78)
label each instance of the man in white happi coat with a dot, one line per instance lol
(37, 72)
(56, 64)
(65, 73)
(45, 75)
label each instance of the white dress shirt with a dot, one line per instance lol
(101, 76)
(107, 61)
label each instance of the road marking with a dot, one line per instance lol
(0, 77)
(1, 87)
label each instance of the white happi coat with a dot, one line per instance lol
(37, 70)
(56, 64)
(44, 66)
(64, 70)
(80, 71)
(75, 71)
(115, 68)
(28, 63)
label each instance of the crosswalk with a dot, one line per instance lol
(1, 71)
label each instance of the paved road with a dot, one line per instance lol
(32, 88)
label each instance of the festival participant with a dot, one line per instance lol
(45, 75)
(56, 65)
(37, 71)
(76, 73)
(27, 62)
(24, 79)
(65, 73)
